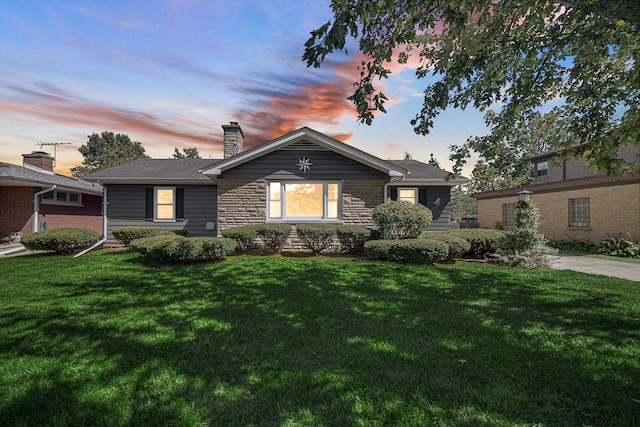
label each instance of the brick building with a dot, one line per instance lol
(32, 198)
(574, 202)
(301, 177)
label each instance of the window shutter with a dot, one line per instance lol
(394, 193)
(422, 196)
(180, 203)
(149, 203)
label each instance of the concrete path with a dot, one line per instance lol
(604, 267)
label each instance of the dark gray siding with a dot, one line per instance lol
(438, 200)
(282, 164)
(127, 208)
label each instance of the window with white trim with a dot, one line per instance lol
(542, 169)
(304, 200)
(408, 195)
(164, 204)
(579, 213)
(62, 198)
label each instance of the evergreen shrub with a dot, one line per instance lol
(414, 251)
(65, 240)
(125, 235)
(353, 237)
(244, 236)
(173, 248)
(401, 220)
(457, 245)
(317, 237)
(273, 236)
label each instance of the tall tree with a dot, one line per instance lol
(510, 55)
(106, 150)
(187, 153)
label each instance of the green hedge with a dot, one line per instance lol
(64, 240)
(457, 245)
(415, 251)
(173, 248)
(401, 220)
(483, 241)
(273, 236)
(317, 237)
(353, 237)
(125, 235)
(244, 236)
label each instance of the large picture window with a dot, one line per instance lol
(165, 204)
(306, 200)
(579, 213)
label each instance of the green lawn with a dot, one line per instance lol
(108, 340)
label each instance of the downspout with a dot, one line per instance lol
(104, 225)
(36, 207)
(386, 189)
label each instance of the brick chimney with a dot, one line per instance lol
(233, 139)
(39, 159)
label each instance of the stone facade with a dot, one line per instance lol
(614, 210)
(359, 197)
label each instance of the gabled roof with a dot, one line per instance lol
(419, 173)
(155, 171)
(302, 134)
(13, 175)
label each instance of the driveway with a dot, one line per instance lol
(604, 267)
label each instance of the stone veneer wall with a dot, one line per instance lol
(244, 202)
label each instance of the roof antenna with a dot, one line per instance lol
(55, 148)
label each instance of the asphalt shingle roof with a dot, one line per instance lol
(156, 169)
(419, 170)
(19, 175)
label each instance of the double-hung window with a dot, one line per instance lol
(165, 204)
(408, 195)
(304, 200)
(579, 214)
(542, 169)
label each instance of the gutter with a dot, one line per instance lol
(104, 225)
(36, 207)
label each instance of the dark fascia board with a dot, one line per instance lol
(408, 182)
(306, 133)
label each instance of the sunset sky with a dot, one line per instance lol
(170, 73)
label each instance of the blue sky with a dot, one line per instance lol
(170, 73)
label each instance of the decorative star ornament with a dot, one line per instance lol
(304, 164)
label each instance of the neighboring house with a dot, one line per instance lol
(303, 176)
(32, 198)
(574, 202)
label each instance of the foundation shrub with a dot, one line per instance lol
(483, 241)
(353, 237)
(574, 246)
(457, 245)
(244, 236)
(620, 247)
(125, 235)
(316, 237)
(413, 251)
(171, 248)
(273, 236)
(65, 240)
(401, 220)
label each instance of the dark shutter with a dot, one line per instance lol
(180, 203)
(422, 196)
(148, 205)
(394, 193)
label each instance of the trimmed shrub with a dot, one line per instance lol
(125, 235)
(574, 246)
(183, 233)
(64, 240)
(316, 237)
(244, 237)
(483, 241)
(352, 238)
(173, 248)
(401, 220)
(414, 251)
(273, 236)
(457, 245)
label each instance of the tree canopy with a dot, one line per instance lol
(106, 150)
(187, 153)
(507, 58)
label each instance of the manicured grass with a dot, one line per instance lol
(109, 340)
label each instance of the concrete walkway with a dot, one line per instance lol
(603, 267)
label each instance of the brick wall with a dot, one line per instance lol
(613, 210)
(244, 202)
(16, 210)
